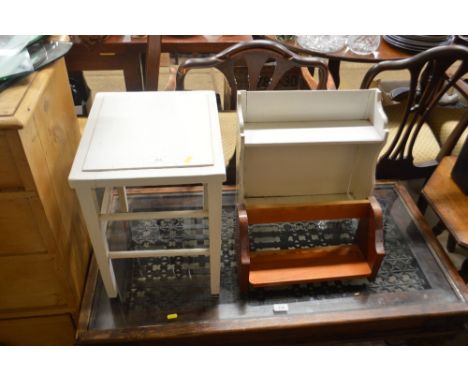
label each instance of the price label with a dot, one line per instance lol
(280, 308)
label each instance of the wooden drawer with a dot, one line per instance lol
(19, 233)
(99, 57)
(9, 176)
(47, 330)
(29, 282)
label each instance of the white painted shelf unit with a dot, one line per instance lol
(315, 145)
(309, 155)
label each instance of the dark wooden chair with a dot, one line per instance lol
(432, 74)
(266, 63)
(256, 56)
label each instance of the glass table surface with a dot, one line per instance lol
(415, 278)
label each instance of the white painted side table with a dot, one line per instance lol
(149, 139)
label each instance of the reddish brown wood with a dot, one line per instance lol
(362, 259)
(243, 249)
(153, 57)
(369, 236)
(126, 53)
(304, 265)
(108, 55)
(384, 52)
(202, 43)
(300, 212)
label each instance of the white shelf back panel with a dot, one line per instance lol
(306, 105)
(303, 170)
(151, 130)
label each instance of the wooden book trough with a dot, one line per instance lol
(309, 155)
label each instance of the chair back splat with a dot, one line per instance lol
(255, 55)
(431, 76)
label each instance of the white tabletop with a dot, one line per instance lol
(135, 137)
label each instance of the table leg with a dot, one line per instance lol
(334, 68)
(90, 208)
(133, 75)
(123, 201)
(205, 197)
(214, 227)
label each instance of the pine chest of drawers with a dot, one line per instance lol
(44, 250)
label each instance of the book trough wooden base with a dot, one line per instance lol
(362, 258)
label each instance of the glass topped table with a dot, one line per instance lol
(384, 52)
(417, 291)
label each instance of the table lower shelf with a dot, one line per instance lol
(306, 265)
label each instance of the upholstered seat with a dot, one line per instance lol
(443, 121)
(229, 130)
(426, 147)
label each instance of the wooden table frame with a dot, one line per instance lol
(416, 321)
(126, 53)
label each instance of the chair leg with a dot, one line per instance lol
(464, 271)
(422, 204)
(438, 228)
(451, 243)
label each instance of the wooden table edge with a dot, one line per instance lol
(151, 333)
(250, 329)
(451, 273)
(88, 298)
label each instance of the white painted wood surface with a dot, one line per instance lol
(150, 215)
(311, 132)
(309, 144)
(306, 105)
(158, 252)
(177, 167)
(150, 130)
(149, 139)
